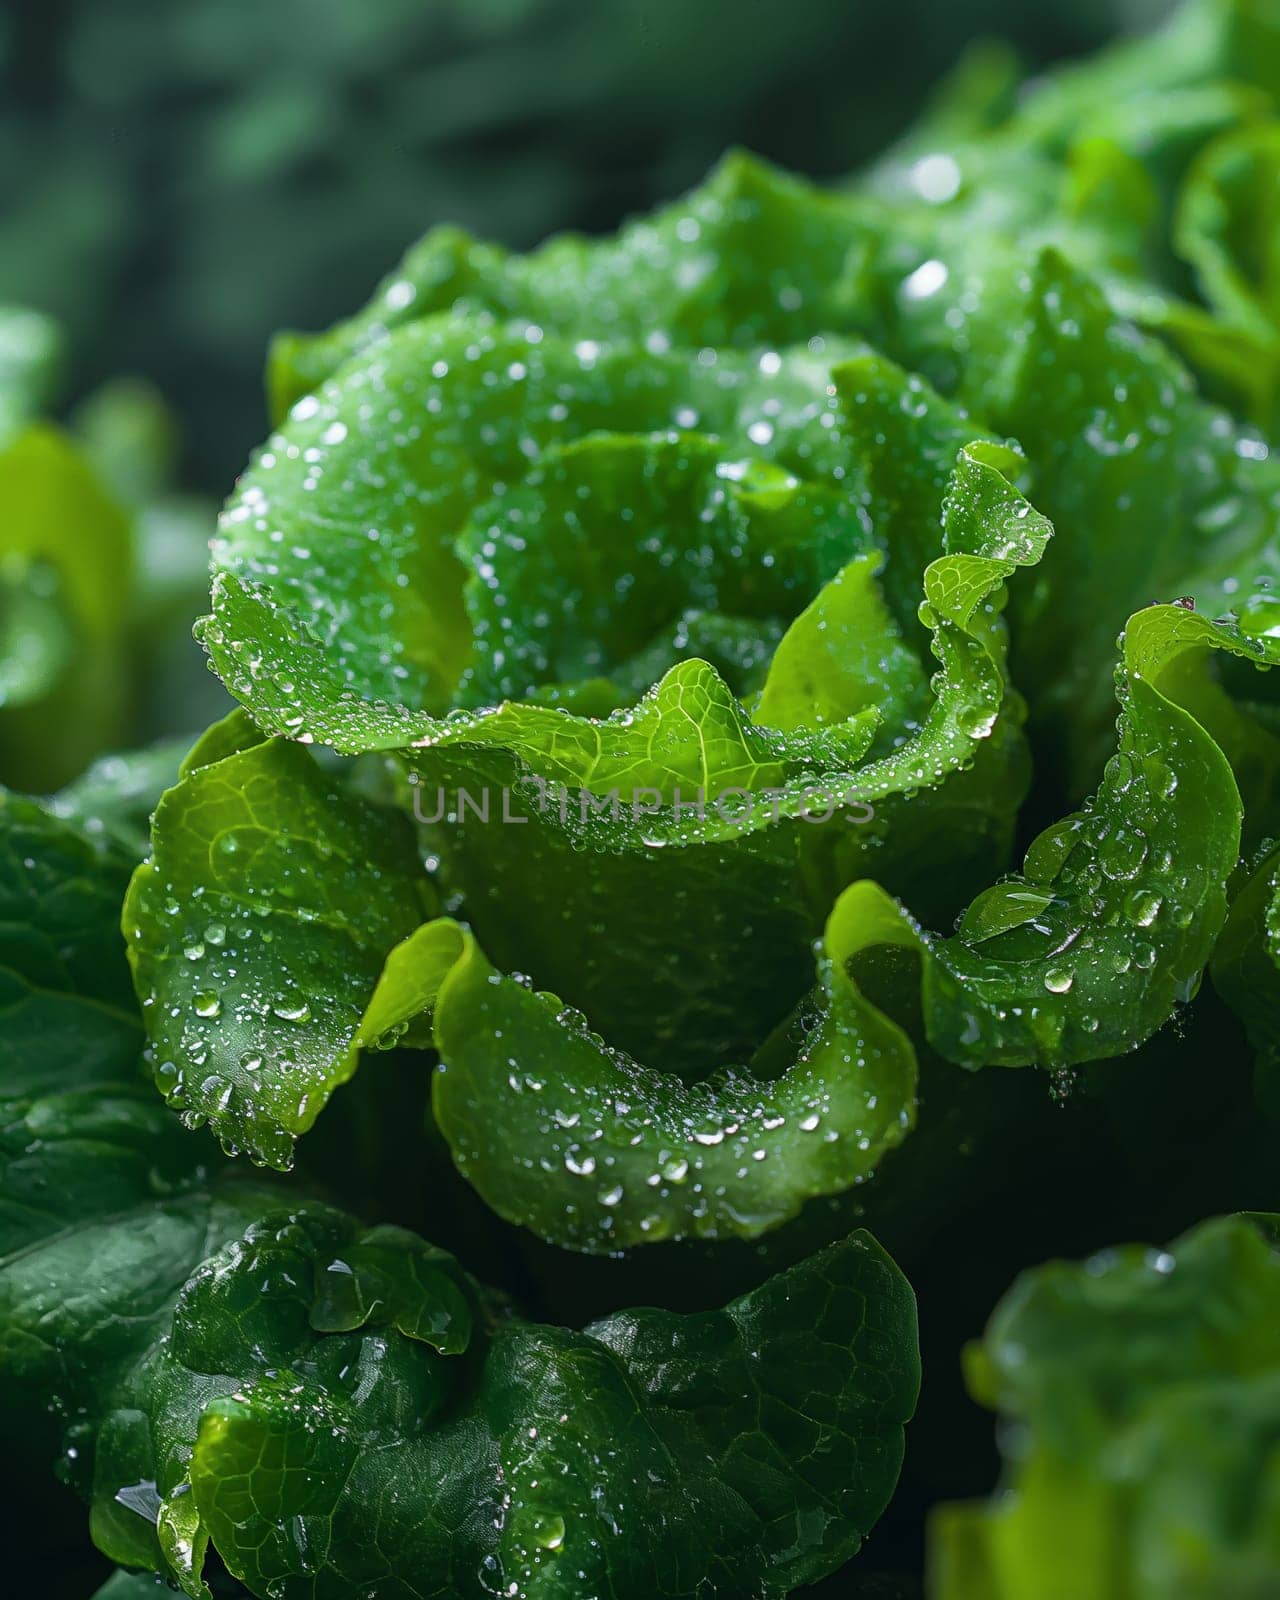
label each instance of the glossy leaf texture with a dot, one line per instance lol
(261, 918)
(1080, 958)
(1156, 492)
(928, 259)
(593, 1150)
(384, 1423)
(327, 1405)
(1141, 1393)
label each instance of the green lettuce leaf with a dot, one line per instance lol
(1113, 921)
(929, 261)
(265, 910)
(560, 1459)
(394, 504)
(1142, 1394)
(1086, 953)
(1098, 161)
(590, 1149)
(1157, 493)
(932, 257)
(1104, 175)
(1081, 958)
(640, 643)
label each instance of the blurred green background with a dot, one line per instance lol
(181, 177)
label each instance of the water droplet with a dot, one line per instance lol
(1143, 906)
(550, 1532)
(1260, 616)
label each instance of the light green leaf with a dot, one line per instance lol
(268, 906)
(597, 1152)
(65, 555)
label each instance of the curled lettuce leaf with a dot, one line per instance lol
(597, 1152)
(351, 517)
(1155, 492)
(559, 560)
(642, 642)
(1142, 1396)
(1080, 958)
(1100, 177)
(264, 912)
(1113, 919)
(685, 789)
